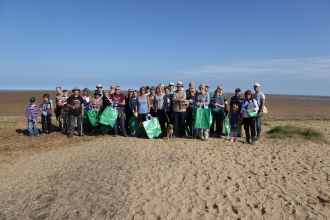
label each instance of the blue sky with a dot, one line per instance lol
(283, 45)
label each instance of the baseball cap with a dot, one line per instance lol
(130, 90)
(147, 87)
(171, 84)
(238, 90)
(32, 99)
(257, 84)
(207, 86)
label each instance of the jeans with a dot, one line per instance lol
(79, 121)
(179, 118)
(258, 124)
(120, 122)
(33, 128)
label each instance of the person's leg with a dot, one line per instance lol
(258, 126)
(71, 131)
(181, 123)
(49, 123)
(161, 117)
(30, 128)
(253, 130)
(122, 122)
(246, 128)
(43, 125)
(219, 124)
(206, 134)
(176, 124)
(79, 124)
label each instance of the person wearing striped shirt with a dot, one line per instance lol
(32, 112)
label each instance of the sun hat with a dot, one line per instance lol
(97, 92)
(75, 88)
(171, 84)
(98, 85)
(32, 99)
(179, 84)
(257, 84)
(238, 90)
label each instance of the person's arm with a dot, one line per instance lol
(137, 103)
(262, 105)
(178, 99)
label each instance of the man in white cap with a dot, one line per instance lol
(179, 114)
(261, 99)
(171, 87)
(99, 88)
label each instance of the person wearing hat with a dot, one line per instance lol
(75, 103)
(238, 100)
(32, 113)
(64, 112)
(179, 114)
(261, 100)
(171, 87)
(99, 88)
(147, 88)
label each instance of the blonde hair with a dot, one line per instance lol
(235, 107)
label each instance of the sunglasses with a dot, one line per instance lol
(117, 89)
(99, 87)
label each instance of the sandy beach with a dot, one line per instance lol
(106, 177)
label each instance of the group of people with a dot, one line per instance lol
(171, 106)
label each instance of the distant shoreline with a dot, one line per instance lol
(231, 94)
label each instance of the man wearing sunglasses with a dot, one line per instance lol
(99, 88)
(118, 100)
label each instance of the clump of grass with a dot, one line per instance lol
(290, 131)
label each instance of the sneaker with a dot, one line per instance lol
(115, 134)
(82, 135)
(125, 135)
(231, 139)
(205, 139)
(43, 134)
(235, 140)
(69, 137)
(50, 133)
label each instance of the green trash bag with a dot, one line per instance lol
(133, 123)
(152, 128)
(227, 127)
(94, 117)
(109, 116)
(105, 129)
(203, 118)
(85, 117)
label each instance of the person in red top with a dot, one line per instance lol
(118, 101)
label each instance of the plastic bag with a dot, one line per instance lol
(105, 129)
(94, 117)
(152, 128)
(133, 124)
(227, 127)
(109, 116)
(253, 114)
(203, 118)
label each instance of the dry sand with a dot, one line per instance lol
(105, 177)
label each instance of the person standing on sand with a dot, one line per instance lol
(238, 100)
(57, 109)
(86, 96)
(75, 103)
(179, 114)
(203, 101)
(250, 105)
(143, 110)
(32, 112)
(261, 99)
(46, 114)
(159, 106)
(64, 112)
(118, 100)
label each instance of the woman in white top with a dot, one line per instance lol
(249, 106)
(86, 96)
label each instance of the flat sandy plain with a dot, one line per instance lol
(105, 177)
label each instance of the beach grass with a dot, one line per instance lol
(292, 131)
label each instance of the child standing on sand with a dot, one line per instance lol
(32, 117)
(234, 117)
(46, 114)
